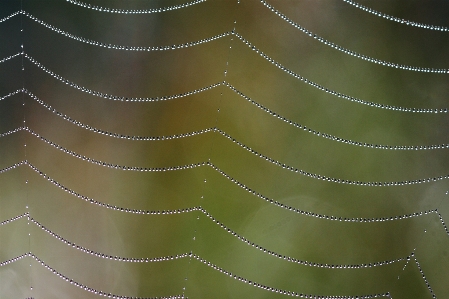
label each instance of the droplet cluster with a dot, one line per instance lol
(127, 48)
(332, 137)
(350, 52)
(135, 11)
(118, 98)
(280, 291)
(332, 92)
(395, 19)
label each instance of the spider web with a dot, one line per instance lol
(223, 149)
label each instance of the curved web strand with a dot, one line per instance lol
(332, 137)
(207, 130)
(12, 166)
(14, 218)
(395, 19)
(298, 261)
(198, 258)
(10, 16)
(11, 94)
(135, 11)
(164, 98)
(106, 205)
(12, 131)
(127, 48)
(179, 256)
(424, 277)
(281, 291)
(79, 285)
(241, 185)
(111, 165)
(10, 57)
(332, 92)
(106, 256)
(119, 98)
(199, 164)
(350, 52)
(112, 134)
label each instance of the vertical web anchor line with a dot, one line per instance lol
(220, 98)
(25, 145)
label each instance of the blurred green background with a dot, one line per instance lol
(163, 73)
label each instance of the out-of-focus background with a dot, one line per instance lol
(225, 190)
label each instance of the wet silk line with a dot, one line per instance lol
(277, 64)
(395, 19)
(350, 52)
(209, 264)
(226, 229)
(268, 159)
(135, 11)
(79, 285)
(267, 199)
(207, 130)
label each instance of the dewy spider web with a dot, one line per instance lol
(254, 241)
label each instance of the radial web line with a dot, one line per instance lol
(199, 164)
(395, 19)
(135, 11)
(209, 264)
(332, 92)
(155, 99)
(259, 195)
(79, 285)
(119, 98)
(227, 229)
(127, 48)
(350, 52)
(207, 130)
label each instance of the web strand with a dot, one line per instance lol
(350, 52)
(395, 19)
(135, 11)
(207, 130)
